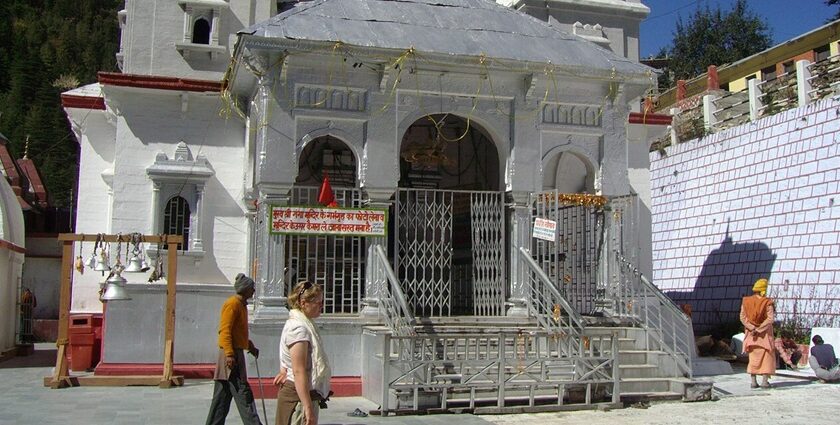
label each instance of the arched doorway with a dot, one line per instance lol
(334, 262)
(449, 219)
(571, 260)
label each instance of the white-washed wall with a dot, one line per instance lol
(758, 200)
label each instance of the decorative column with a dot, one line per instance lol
(270, 260)
(520, 235)
(196, 242)
(376, 198)
(261, 104)
(155, 207)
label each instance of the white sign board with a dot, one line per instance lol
(545, 229)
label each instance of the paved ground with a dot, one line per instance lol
(24, 400)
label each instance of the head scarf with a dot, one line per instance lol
(760, 286)
(242, 283)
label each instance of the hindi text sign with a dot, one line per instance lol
(545, 229)
(328, 221)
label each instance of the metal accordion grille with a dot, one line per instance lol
(337, 263)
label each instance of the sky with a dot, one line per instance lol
(785, 18)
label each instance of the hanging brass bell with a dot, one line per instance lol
(102, 263)
(134, 265)
(115, 289)
(91, 261)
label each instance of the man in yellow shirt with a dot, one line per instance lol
(231, 377)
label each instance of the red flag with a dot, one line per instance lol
(326, 197)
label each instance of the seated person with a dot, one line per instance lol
(823, 361)
(788, 352)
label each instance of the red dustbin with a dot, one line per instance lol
(97, 333)
(82, 341)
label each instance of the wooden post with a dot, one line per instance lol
(61, 377)
(169, 317)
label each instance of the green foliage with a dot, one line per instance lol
(712, 37)
(836, 15)
(794, 329)
(42, 42)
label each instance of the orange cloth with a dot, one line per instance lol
(762, 362)
(233, 326)
(757, 313)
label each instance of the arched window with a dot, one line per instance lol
(201, 31)
(176, 219)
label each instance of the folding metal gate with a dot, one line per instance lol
(449, 251)
(571, 261)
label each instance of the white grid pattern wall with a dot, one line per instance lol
(757, 200)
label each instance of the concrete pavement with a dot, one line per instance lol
(26, 401)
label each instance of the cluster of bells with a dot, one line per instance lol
(113, 289)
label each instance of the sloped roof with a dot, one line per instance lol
(451, 27)
(36, 183)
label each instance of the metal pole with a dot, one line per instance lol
(262, 394)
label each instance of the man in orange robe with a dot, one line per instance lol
(757, 313)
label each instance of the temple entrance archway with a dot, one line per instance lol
(449, 219)
(337, 263)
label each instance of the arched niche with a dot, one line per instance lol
(326, 154)
(447, 151)
(567, 171)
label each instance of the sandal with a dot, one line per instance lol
(357, 413)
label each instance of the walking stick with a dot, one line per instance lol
(262, 394)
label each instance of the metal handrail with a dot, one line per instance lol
(672, 327)
(392, 305)
(473, 367)
(550, 321)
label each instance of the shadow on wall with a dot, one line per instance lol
(728, 274)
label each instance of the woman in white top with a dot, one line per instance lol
(304, 368)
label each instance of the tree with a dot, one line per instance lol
(712, 37)
(836, 15)
(47, 47)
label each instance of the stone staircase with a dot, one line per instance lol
(645, 371)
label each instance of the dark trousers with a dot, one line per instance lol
(237, 389)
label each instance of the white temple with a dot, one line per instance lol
(458, 122)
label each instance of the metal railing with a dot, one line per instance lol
(498, 368)
(638, 300)
(824, 79)
(731, 109)
(778, 94)
(805, 83)
(389, 294)
(546, 304)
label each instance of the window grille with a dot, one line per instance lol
(176, 219)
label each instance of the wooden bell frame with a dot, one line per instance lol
(61, 377)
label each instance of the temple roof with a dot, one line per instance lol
(449, 27)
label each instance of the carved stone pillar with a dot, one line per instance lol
(196, 242)
(612, 176)
(156, 213)
(376, 198)
(520, 235)
(270, 259)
